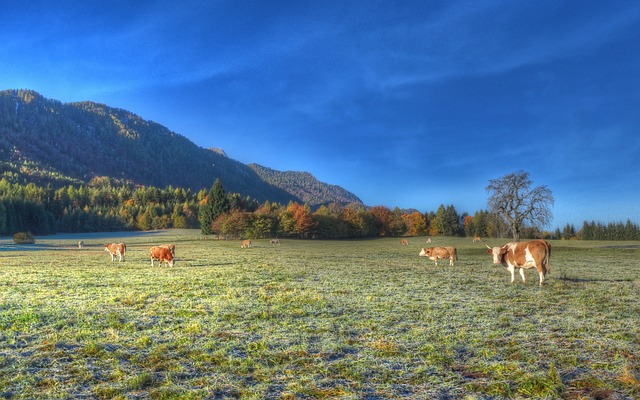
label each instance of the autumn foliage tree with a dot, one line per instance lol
(382, 217)
(416, 224)
(303, 221)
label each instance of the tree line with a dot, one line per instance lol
(106, 204)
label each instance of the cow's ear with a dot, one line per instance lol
(489, 251)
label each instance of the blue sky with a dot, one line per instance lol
(404, 103)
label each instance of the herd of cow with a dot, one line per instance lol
(514, 255)
(163, 253)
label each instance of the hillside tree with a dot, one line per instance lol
(512, 197)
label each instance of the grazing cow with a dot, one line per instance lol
(476, 238)
(533, 254)
(404, 241)
(275, 242)
(245, 244)
(170, 247)
(161, 254)
(116, 249)
(440, 252)
(81, 244)
(428, 241)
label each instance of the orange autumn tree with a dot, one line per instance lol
(383, 220)
(416, 224)
(304, 222)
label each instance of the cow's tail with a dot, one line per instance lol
(547, 260)
(124, 249)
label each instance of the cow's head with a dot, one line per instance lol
(498, 253)
(425, 252)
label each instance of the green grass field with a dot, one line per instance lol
(362, 319)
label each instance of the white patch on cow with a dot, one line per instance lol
(529, 261)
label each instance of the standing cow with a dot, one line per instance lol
(245, 244)
(116, 249)
(81, 244)
(404, 241)
(162, 254)
(533, 254)
(275, 242)
(440, 252)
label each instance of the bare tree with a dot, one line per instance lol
(512, 198)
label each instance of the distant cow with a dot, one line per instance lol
(161, 254)
(170, 247)
(275, 242)
(245, 244)
(428, 241)
(440, 252)
(116, 249)
(533, 254)
(404, 241)
(476, 238)
(81, 244)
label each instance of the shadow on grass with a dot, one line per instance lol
(27, 247)
(582, 280)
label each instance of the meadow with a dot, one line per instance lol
(365, 319)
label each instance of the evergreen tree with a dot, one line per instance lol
(216, 204)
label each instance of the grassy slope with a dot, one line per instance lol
(314, 319)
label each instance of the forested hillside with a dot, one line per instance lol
(46, 141)
(305, 186)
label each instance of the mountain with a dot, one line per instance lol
(305, 186)
(47, 141)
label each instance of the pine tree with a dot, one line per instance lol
(216, 203)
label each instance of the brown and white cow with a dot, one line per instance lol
(275, 242)
(404, 241)
(170, 247)
(245, 244)
(161, 254)
(440, 252)
(116, 249)
(428, 241)
(81, 244)
(476, 238)
(521, 255)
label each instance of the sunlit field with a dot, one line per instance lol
(364, 319)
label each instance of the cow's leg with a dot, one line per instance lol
(511, 269)
(541, 277)
(113, 257)
(152, 261)
(522, 275)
